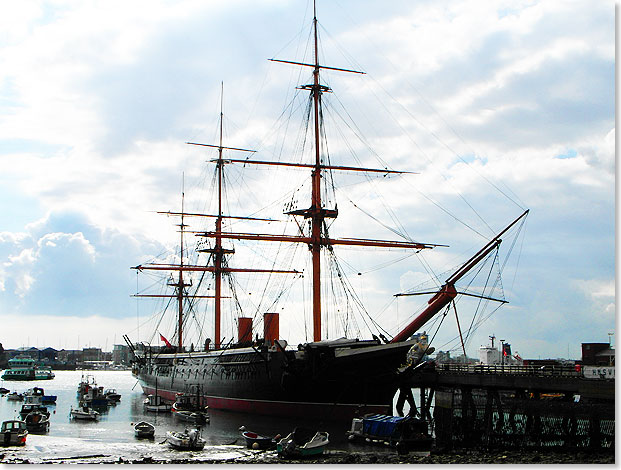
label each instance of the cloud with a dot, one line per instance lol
(83, 270)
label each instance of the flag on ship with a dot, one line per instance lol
(168, 345)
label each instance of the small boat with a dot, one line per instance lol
(144, 430)
(112, 396)
(405, 433)
(13, 433)
(37, 422)
(45, 399)
(300, 444)
(37, 395)
(186, 440)
(28, 408)
(187, 407)
(14, 396)
(86, 383)
(95, 397)
(49, 399)
(256, 441)
(155, 403)
(84, 413)
(198, 417)
(4, 391)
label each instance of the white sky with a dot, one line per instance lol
(97, 99)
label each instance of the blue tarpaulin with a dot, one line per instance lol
(381, 425)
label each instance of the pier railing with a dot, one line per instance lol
(510, 369)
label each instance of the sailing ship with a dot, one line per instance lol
(323, 378)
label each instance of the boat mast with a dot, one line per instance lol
(218, 252)
(180, 286)
(317, 216)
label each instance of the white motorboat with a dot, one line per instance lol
(155, 403)
(84, 413)
(186, 440)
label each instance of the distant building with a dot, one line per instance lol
(597, 354)
(462, 359)
(444, 357)
(3, 358)
(70, 356)
(120, 354)
(48, 355)
(26, 351)
(92, 354)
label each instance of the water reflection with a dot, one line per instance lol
(116, 422)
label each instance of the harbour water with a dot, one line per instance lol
(113, 435)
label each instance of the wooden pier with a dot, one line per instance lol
(515, 407)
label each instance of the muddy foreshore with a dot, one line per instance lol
(342, 457)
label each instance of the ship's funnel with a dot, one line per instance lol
(270, 327)
(244, 330)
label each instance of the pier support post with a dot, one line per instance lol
(595, 435)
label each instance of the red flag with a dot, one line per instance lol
(168, 345)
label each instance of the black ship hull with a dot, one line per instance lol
(327, 380)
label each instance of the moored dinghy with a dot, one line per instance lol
(144, 430)
(300, 444)
(256, 441)
(14, 396)
(188, 408)
(198, 417)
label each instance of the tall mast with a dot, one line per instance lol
(218, 251)
(218, 254)
(180, 285)
(317, 217)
